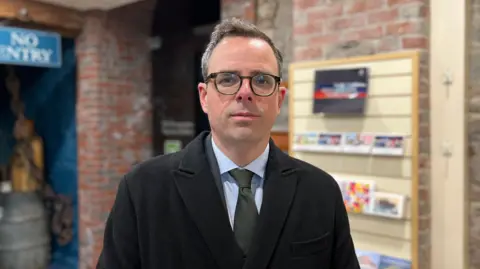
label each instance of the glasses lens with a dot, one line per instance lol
(263, 84)
(227, 83)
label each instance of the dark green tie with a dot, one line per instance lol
(246, 212)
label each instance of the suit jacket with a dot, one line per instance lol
(169, 214)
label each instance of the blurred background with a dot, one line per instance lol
(92, 87)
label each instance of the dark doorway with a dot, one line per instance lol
(201, 119)
(204, 12)
(184, 27)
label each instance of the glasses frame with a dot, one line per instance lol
(214, 76)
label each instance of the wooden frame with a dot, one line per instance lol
(41, 16)
(415, 58)
(453, 68)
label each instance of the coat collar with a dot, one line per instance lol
(194, 156)
(194, 180)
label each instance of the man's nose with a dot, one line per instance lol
(245, 93)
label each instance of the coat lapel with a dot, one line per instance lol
(197, 187)
(278, 194)
(214, 167)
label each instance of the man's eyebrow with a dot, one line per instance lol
(229, 71)
(252, 72)
(256, 72)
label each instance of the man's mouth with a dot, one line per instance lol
(244, 115)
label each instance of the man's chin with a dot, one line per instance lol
(244, 134)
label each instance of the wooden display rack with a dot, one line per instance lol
(391, 108)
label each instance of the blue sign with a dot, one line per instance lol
(30, 47)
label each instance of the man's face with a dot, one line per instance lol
(243, 116)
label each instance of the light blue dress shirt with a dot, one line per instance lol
(230, 186)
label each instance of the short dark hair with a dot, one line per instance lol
(235, 27)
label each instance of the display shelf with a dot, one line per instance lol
(391, 109)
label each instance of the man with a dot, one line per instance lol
(231, 199)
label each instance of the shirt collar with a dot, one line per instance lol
(257, 166)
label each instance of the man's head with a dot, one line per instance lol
(241, 91)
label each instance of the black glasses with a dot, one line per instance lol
(229, 83)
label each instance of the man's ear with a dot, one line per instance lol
(282, 93)
(202, 93)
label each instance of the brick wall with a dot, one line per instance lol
(114, 115)
(474, 135)
(344, 28)
(245, 9)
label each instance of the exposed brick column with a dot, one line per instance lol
(114, 118)
(340, 29)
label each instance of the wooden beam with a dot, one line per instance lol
(45, 16)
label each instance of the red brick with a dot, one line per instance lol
(359, 6)
(424, 194)
(388, 44)
(355, 7)
(351, 22)
(415, 42)
(324, 39)
(374, 4)
(423, 161)
(308, 53)
(424, 223)
(303, 4)
(308, 29)
(401, 28)
(399, 2)
(326, 12)
(383, 16)
(250, 11)
(363, 34)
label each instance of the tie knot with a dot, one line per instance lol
(243, 177)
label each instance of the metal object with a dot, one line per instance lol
(447, 78)
(23, 13)
(447, 81)
(24, 232)
(447, 149)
